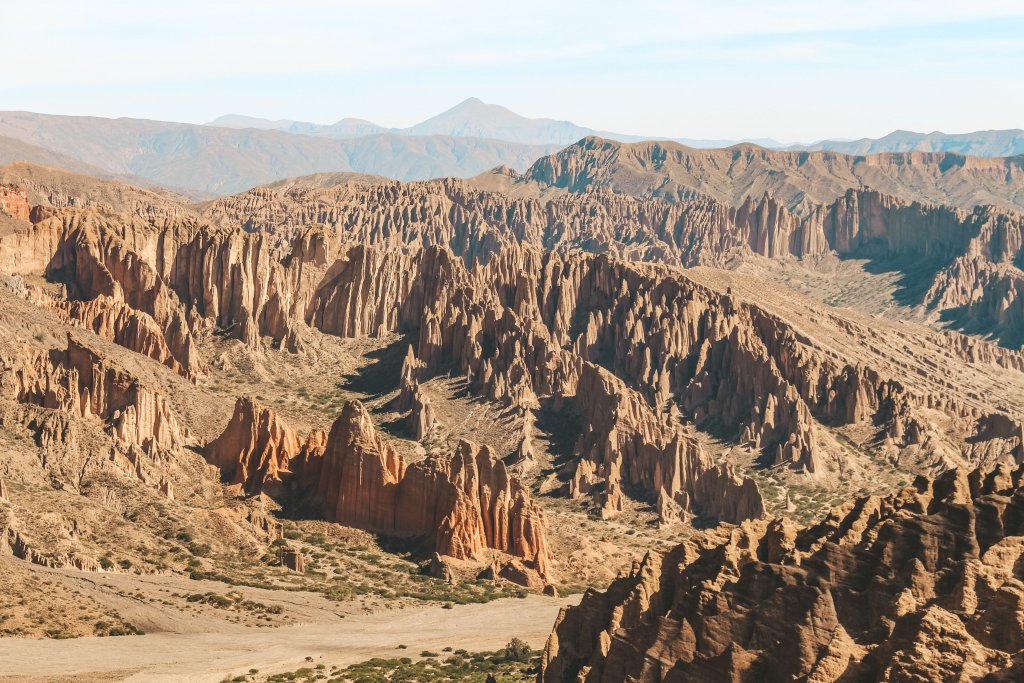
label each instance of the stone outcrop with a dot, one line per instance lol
(257, 448)
(79, 381)
(292, 559)
(923, 585)
(111, 283)
(125, 326)
(624, 442)
(466, 500)
(463, 503)
(14, 202)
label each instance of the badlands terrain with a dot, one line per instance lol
(636, 411)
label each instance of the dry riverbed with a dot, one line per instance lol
(241, 628)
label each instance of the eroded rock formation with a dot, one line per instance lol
(464, 502)
(923, 585)
(14, 202)
(79, 381)
(975, 283)
(257, 448)
(624, 442)
(466, 499)
(522, 325)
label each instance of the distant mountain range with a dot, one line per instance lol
(234, 153)
(982, 143)
(474, 119)
(207, 160)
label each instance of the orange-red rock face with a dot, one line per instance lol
(257, 448)
(80, 381)
(14, 202)
(465, 502)
(922, 586)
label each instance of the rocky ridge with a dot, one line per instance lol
(798, 179)
(465, 503)
(522, 326)
(923, 585)
(972, 257)
(81, 382)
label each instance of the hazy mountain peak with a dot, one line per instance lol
(475, 118)
(243, 121)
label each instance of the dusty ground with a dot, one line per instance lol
(200, 642)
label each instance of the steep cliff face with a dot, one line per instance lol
(924, 585)
(624, 442)
(465, 503)
(14, 202)
(974, 258)
(523, 325)
(257, 448)
(80, 381)
(111, 282)
(466, 500)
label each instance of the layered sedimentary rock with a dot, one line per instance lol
(673, 172)
(125, 326)
(464, 503)
(975, 282)
(924, 585)
(522, 325)
(624, 442)
(257, 448)
(14, 202)
(466, 500)
(79, 381)
(112, 284)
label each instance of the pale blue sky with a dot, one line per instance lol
(788, 69)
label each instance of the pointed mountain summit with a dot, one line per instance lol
(475, 118)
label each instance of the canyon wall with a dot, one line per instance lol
(79, 381)
(465, 502)
(524, 326)
(923, 585)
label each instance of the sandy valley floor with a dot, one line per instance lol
(190, 642)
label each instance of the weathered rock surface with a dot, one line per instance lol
(673, 171)
(975, 283)
(923, 585)
(464, 503)
(625, 443)
(81, 382)
(522, 325)
(257, 448)
(14, 202)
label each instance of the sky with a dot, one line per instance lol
(792, 70)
